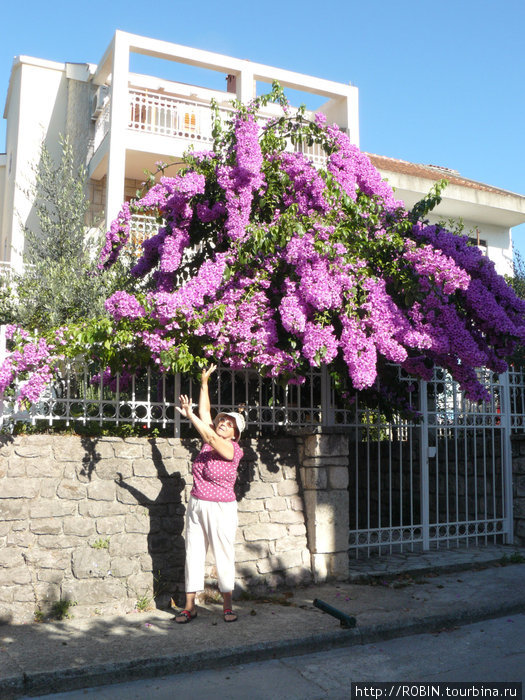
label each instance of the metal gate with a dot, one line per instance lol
(442, 482)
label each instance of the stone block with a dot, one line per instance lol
(314, 477)
(11, 557)
(89, 592)
(276, 503)
(287, 488)
(71, 448)
(249, 506)
(297, 529)
(338, 477)
(287, 517)
(139, 490)
(285, 544)
(264, 531)
(298, 575)
(296, 502)
(111, 468)
(98, 509)
(59, 541)
(71, 489)
(47, 467)
(90, 563)
(121, 567)
(264, 517)
(327, 520)
(46, 526)
(128, 450)
(250, 552)
(248, 518)
(21, 538)
(325, 445)
(290, 472)
(140, 584)
(145, 467)
(15, 576)
(259, 489)
(329, 566)
(77, 525)
(99, 490)
(279, 562)
(20, 487)
(34, 448)
(269, 472)
(48, 488)
(128, 544)
(46, 593)
(138, 522)
(99, 449)
(14, 466)
(51, 508)
(45, 559)
(110, 525)
(6, 596)
(54, 576)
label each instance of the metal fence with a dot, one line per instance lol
(148, 400)
(442, 481)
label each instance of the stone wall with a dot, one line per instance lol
(518, 487)
(100, 521)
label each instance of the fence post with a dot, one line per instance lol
(423, 461)
(507, 456)
(176, 414)
(327, 410)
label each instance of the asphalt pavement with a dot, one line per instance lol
(383, 599)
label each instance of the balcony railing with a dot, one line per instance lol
(176, 117)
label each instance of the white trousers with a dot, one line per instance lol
(210, 524)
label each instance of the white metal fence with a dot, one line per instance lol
(443, 481)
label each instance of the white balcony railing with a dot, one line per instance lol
(170, 116)
(176, 117)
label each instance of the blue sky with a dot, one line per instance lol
(439, 82)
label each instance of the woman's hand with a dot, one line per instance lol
(185, 405)
(206, 373)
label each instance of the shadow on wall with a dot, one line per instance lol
(166, 523)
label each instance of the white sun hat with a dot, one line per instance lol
(237, 417)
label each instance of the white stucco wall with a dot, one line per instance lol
(490, 211)
(36, 114)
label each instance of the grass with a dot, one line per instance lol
(60, 610)
(101, 543)
(515, 558)
(143, 603)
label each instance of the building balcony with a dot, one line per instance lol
(185, 122)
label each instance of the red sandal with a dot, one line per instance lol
(228, 611)
(186, 615)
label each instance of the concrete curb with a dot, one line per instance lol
(67, 679)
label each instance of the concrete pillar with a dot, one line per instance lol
(245, 86)
(324, 475)
(118, 123)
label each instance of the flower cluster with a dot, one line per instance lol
(262, 259)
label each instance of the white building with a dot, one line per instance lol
(121, 123)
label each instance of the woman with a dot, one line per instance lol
(211, 518)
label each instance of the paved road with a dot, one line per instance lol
(490, 651)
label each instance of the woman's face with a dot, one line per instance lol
(226, 427)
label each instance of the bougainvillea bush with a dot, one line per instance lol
(263, 259)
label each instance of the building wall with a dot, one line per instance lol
(37, 109)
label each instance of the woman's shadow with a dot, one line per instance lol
(165, 541)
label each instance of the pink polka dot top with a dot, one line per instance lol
(214, 476)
